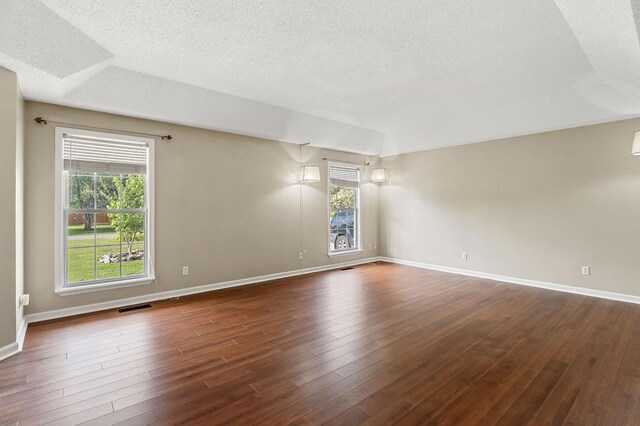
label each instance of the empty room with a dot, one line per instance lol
(320, 212)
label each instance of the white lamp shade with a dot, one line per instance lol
(379, 175)
(309, 174)
(635, 150)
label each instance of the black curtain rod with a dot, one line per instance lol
(41, 120)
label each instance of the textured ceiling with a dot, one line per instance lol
(368, 76)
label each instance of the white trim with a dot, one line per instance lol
(346, 252)
(60, 313)
(9, 350)
(16, 347)
(67, 291)
(521, 281)
(60, 231)
(59, 211)
(150, 232)
(22, 332)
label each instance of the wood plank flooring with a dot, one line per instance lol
(377, 344)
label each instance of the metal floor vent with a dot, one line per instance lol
(134, 308)
(347, 268)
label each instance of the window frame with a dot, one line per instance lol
(61, 286)
(358, 227)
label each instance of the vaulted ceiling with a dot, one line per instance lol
(370, 76)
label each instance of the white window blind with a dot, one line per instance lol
(344, 176)
(83, 153)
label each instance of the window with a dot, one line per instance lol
(344, 208)
(103, 210)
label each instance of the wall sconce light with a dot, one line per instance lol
(379, 175)
(635, 150)
(309, 174)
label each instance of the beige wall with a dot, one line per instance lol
(228, 206)
(537, 207)
(9, 100)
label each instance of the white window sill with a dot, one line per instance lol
(67, 291)
(345, 252)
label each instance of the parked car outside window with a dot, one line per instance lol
(343, 229)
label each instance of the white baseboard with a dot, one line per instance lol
(95, 307)
(15, 347)
(9, 350)
(521, 281)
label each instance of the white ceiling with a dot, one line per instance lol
(371, 76)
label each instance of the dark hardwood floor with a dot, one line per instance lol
(377, 344)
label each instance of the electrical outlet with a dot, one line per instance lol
(24, 300)
(301, 255)
(370, 246)
(586, 270)
(185, 270)
(464, 256)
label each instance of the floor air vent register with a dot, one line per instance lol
(134, 308)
